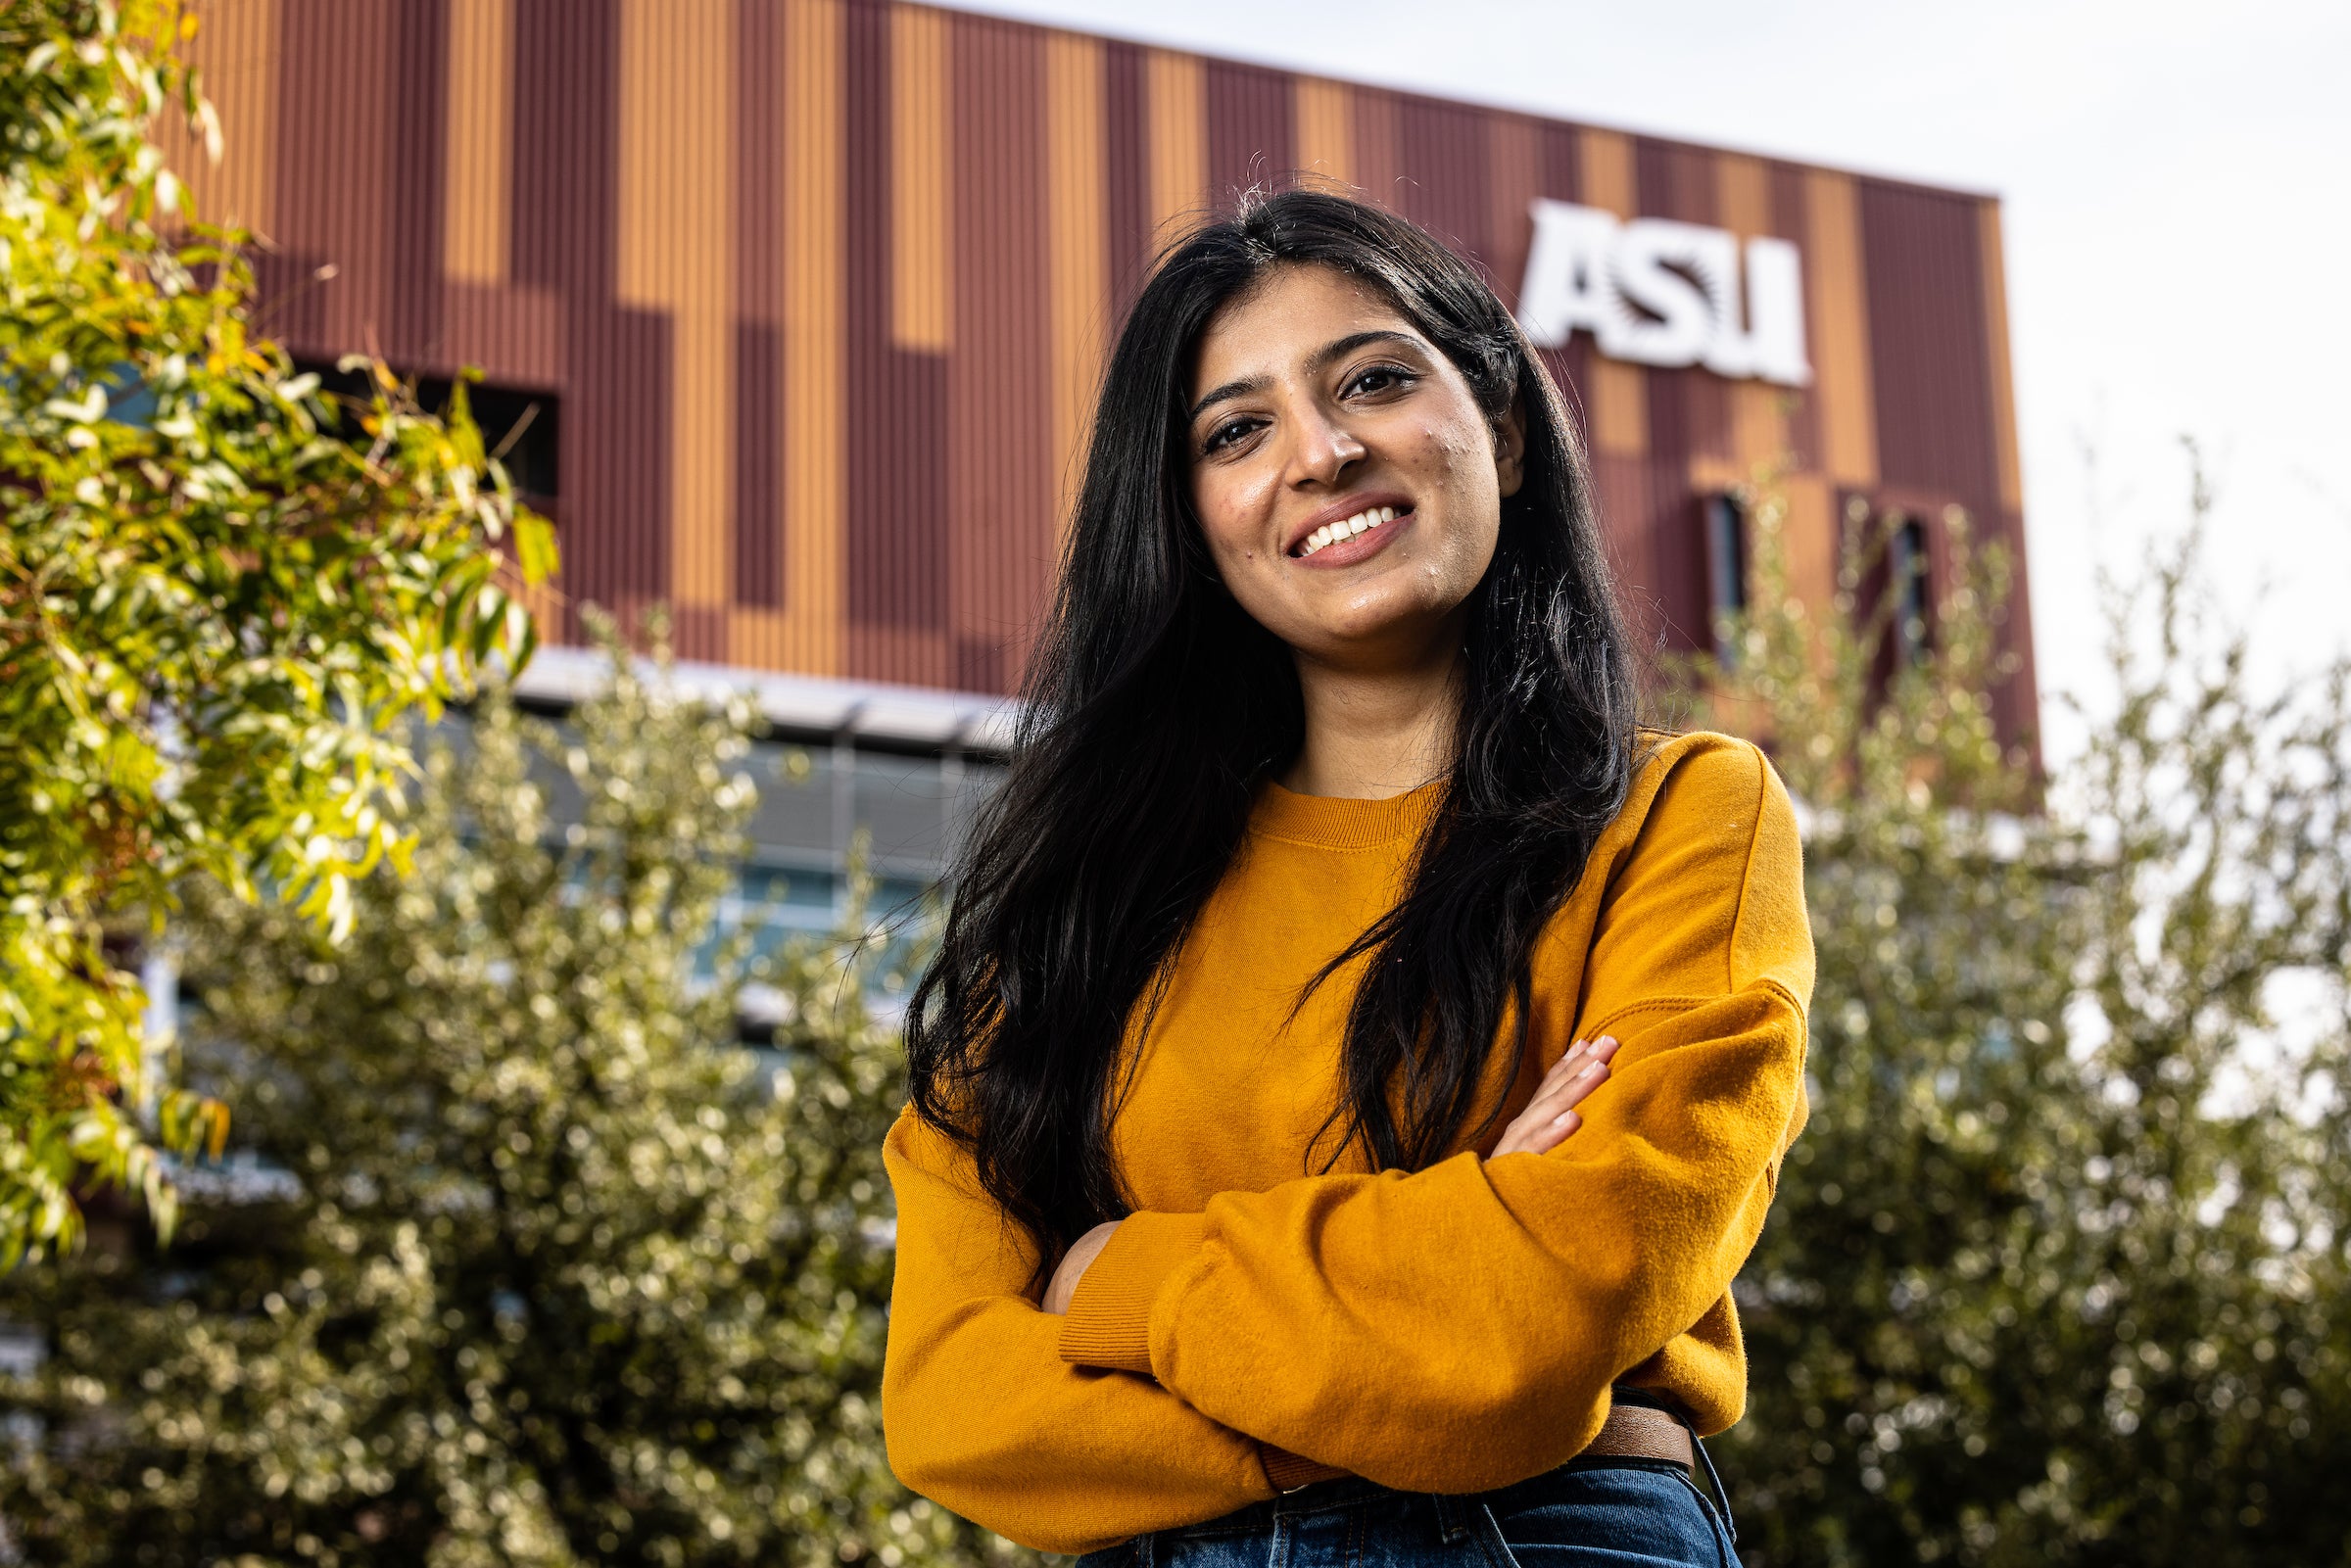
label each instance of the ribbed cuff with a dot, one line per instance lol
(1289, 1471)
(1109, 1322)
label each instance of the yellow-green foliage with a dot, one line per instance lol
(569, 1278)
(217, 595)
(2056, 1274)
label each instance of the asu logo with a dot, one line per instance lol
(1656, 292)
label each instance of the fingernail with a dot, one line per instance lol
(1606, 1042)
(1565, 1118)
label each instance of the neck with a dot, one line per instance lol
(1377, 731)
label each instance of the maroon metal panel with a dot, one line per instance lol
(756, 494)
(1689, 414)
(1250, 131)
(1127, 169)
(1445, 164)
(897, 490)
(616, 456)
(418, 166)
(1790, 216)
(1929, 345)
(757, 491)
(1000, 463)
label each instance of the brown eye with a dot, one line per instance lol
(1372, 380)
(1226, 434)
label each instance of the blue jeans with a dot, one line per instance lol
(1588, 1513)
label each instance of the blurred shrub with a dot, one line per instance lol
(552, 1272)
(2057, 1272)
(215, 603)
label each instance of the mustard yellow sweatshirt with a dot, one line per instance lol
(1449, 1330)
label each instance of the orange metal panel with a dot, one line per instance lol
(476, 193)
(1324, 136)
(1835, 305)
(813, 468)
(2003, 386)
(1079, 292)
(1177, 89)
(676, 248)
(922, 301)
(238, 52)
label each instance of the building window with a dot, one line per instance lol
(520, 428)
(1726, 570)
(1906, 575)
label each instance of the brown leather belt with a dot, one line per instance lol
(1631, 1432)
(1637, 1432)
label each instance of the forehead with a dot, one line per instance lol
(1284, 318)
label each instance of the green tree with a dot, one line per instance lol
(217, 594)
(2055, 1274)
(563, 1275)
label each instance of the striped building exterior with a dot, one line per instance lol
(821, 290)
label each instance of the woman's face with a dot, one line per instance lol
(1350, 486)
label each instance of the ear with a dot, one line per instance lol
(1509, 448)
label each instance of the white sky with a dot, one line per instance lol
(2176, 186)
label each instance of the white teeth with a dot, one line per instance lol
(1360, 522)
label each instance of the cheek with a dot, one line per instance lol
(1232, 506)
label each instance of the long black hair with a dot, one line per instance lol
(1154, 708)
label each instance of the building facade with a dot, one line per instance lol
(808, 299)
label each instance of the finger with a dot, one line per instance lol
(1568, 1092)
(1542, 1136)
(1568, 1061)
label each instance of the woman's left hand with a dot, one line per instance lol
(1084, 1251)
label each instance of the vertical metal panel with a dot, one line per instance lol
(236, 53)
(1375, 167)
(1323, 142)
(895, 497)
(1837, 316)
(2016, 701)
(1688, 417)
(1929, 364)
(1126, 167)
(999, 399)
(1514, 155)
(416, 166)
(478, 141)
(1176, 87)
(1078, 287)
(673, 237)
(1250, 127)
(815, 481)
(756, 504)
(922, 301)
(1445, 187)
(1788, 222)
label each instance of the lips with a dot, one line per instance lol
(1345, 527)
(1347, 520)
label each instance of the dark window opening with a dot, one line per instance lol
(520, 429)
(1906, 574)
(1726, 571)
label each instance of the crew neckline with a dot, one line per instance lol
(1339, 821)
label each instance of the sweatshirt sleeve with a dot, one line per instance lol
(981, 1414)
(1458, 1327)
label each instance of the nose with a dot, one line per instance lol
(1322, 449)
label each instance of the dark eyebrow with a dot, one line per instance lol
(1357, 340)
(1231, 389)
(1338, 350)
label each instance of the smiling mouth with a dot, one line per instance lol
(1362, 522)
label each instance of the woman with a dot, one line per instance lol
(1246, 1209)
